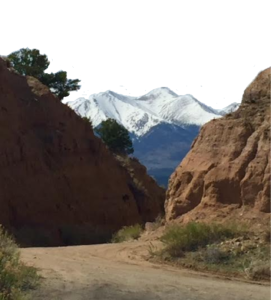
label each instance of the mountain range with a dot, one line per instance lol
(162, 124)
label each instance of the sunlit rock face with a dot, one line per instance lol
(228, 166)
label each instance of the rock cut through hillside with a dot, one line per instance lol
(58, 182)
(228, 166)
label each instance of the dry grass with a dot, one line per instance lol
(194, 235)
(15, 278)
(224, 249)
(127, 233)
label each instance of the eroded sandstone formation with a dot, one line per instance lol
(228, 166)
(58, 183)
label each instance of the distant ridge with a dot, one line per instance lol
(140, 114)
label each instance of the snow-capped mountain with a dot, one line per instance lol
(124, 109)
(162, 124)
(140, 114)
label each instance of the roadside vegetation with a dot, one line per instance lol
(227, 249)
(127, 233)
(194, 236)
(16, 279)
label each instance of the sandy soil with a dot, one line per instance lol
(119, 271)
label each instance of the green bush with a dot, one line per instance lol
(127, 233)
(116, 137)
(190, 237)
(214, 255)
(15, 277)
(258, 264)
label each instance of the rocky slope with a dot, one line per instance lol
(228, 166)
(58, 182)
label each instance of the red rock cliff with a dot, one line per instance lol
(228, 166)
(57, 180)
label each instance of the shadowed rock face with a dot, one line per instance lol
(57, 180)
(228, 166)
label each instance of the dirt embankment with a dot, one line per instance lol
(58, 182)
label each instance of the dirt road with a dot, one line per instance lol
(118, 272)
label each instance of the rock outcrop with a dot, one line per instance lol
(58, 182)
(228, 166)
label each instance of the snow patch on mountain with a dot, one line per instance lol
(179, 110)
(228, 109)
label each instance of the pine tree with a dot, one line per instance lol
(59, 84)
(32, 63)
(116, 137)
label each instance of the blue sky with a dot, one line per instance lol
(210, 49)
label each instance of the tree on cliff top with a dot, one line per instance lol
(116, 137)
(32, 63)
